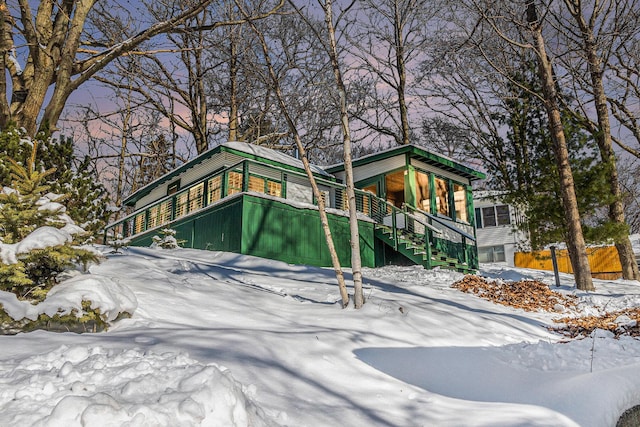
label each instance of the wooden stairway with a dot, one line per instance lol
(414, 247)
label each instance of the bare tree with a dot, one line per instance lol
(127, 146)
(58, 55)
(171, 85)
(629, 171)
(576, 244)
(446, 137)
(499, 32)
(624, 94)
(389, 38)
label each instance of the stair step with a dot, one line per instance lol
(413, 247)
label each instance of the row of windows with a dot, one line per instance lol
(493, 216)
(193, 198)
(443, 190)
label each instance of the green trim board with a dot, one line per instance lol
(413, 151)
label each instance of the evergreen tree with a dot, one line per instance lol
(36, 237)
(86, 198)
(526, 168)
(167, 240)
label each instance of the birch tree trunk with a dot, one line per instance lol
(319, 196)
(356, 262)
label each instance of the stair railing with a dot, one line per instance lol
(445, 229)
(401, 223)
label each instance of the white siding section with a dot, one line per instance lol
(494, 236)
(363, 172)
(299, 189)
(265, 171)
(155, 194)
(502, 235)
(440, 172)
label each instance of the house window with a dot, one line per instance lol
(215, 189)
(489, 216)
(196, 199)
(460, 201)
(363, 203)
(181, 204)
(442, 197)
(493, 216)
(256, 184)
(234, 181)
(265, 185)
(173, 188)
(160, 214)
(423, 194)
(491, 254)
(394, 184)
(274, 188)
(502, 215)
(138, 226)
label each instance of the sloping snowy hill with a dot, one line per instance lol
(221, 339)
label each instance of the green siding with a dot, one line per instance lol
(270, 229)
(291, 234)
(219, 228)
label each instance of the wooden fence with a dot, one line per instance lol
(603, 260)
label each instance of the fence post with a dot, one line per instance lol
(554, 261)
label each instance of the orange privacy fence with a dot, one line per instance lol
(604, 261)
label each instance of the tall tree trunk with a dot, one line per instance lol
(402, 76)
(604, 140)
(122, 157)
(356, 262)
(324, 219)
(199, 94)
(55, 67)
(575, 239)
(233, 89)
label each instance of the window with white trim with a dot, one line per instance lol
(493, 216)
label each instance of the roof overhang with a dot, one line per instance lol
(418, 153)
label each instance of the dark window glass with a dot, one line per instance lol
(502, 212)
(173, 188)
(489, 217)
(478, 218)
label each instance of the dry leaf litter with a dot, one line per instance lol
(533, 295)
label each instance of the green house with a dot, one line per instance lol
(415, 207)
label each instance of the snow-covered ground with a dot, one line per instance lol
(221, 339)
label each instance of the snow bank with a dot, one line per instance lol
(40, 238)
(81, 386)
(104, 293)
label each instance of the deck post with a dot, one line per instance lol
(394, 226)
(427, 247)
(245, 176)
(465, 258)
